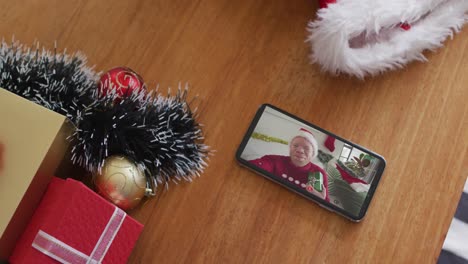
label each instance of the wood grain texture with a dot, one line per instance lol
(237, 55)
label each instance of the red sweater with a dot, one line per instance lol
(281, 166)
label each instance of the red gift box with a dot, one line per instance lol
(75, 225)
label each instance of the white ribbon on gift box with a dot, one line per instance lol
(63, 253)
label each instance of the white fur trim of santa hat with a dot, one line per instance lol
(384, 45)
(310, 138)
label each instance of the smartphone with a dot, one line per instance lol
(339, 175)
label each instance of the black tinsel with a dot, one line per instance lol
(158, 132)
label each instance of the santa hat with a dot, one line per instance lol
(307, 135)
(367, 37)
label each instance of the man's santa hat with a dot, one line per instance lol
(307, 135)
(367, 37)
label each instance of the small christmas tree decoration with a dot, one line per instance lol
(121, 79)
(159, 134)
(367, 37)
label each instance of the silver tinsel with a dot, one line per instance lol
(158, 132)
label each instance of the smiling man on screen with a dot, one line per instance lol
(298, 167)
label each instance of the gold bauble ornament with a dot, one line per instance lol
(121, 182)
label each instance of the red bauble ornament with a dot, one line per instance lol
(121, 79)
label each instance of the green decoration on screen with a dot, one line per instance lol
(266, 138)
(316, 180)
(324, 157)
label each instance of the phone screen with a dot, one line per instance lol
(337, 174)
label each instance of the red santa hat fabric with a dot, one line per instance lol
(310, 138)
(368, 37)
(324, 3)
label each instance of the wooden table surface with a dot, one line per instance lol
(237, 55)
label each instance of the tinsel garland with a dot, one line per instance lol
(158, 132)
(267, 138)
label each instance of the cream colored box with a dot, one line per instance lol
(32, 146)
